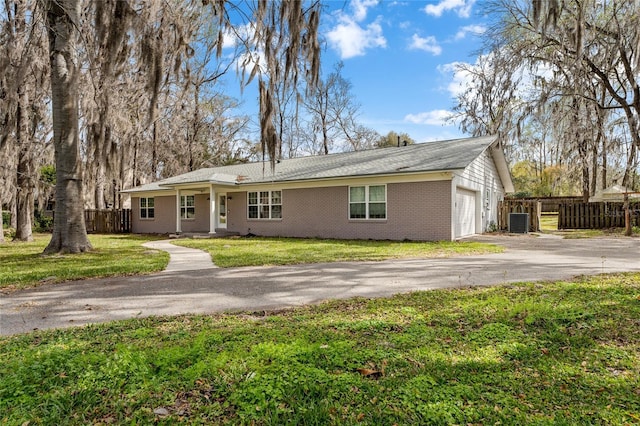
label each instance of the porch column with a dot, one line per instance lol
(178, 219)
(212, 210)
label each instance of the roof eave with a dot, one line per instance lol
(196, 183)
(354, 176)
(502, 166)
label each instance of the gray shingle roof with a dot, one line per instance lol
(425, 157)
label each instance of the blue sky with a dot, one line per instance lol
(399, 57)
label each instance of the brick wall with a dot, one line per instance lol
(415, 211)
(164, 221)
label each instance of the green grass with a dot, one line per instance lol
(23, 265)
(565, 353)
(258, 251)
(549, 224)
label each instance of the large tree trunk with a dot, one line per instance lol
(69, 231)
(1, 224)
(25, 173)
(24, 199)
(100, 136)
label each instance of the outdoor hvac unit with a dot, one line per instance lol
(519, 223)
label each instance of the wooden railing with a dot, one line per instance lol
(108, 221)
(534, 208)
(598, 215)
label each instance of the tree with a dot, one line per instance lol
(490, 104)
(591, 43)
(394, 139)
(279, 29)
(69, 230)
(559, 83)
(23, 70)
(333, 114)
(1, 211)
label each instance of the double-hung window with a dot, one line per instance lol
(264, 204)
(368, 202)
(147, 208)
(187, 206)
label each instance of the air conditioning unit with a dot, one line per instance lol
(519, 223)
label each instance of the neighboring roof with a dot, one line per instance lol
(448, 155)
(614, 192)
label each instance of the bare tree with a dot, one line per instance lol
(578, 61)
(333, 115)
(598, 39)
(23, 69)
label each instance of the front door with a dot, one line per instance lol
(222, 211)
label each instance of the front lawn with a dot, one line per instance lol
(259, 251)
(549, 224)
(23, 265)
(554, 353)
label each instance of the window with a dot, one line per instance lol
(264, 205)
(147, 208)
(187, 206)
(368, 202)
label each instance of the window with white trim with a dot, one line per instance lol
(264, 205)
(187, 206)
(368, 202)
(147, 208)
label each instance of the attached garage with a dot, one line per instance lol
(465, 216)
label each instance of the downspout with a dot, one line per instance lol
(178, 218)
(212, 210)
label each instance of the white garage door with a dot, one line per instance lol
(465, 215)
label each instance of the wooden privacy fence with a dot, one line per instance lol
(597, 215)
(550, 204)
(108, 221)
(534, 208)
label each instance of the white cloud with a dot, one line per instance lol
(351, 39)
(231, 38)
(428, 44)
(473, 29)
(249, 60)
(438, 117)
(461, 7)
(360, 8)
(461, 77)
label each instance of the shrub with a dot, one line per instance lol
(42, 223)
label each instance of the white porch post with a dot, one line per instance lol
(178, 219)
(213, 211)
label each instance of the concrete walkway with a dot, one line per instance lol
(182, 258)
(526, 258)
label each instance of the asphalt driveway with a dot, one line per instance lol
(527, 258)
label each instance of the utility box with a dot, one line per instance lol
(519, 223)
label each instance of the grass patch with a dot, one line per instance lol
(557, 353)
(549, 224)
(23, 265)
(259, 251)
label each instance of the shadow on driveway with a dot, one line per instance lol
(526, 258)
